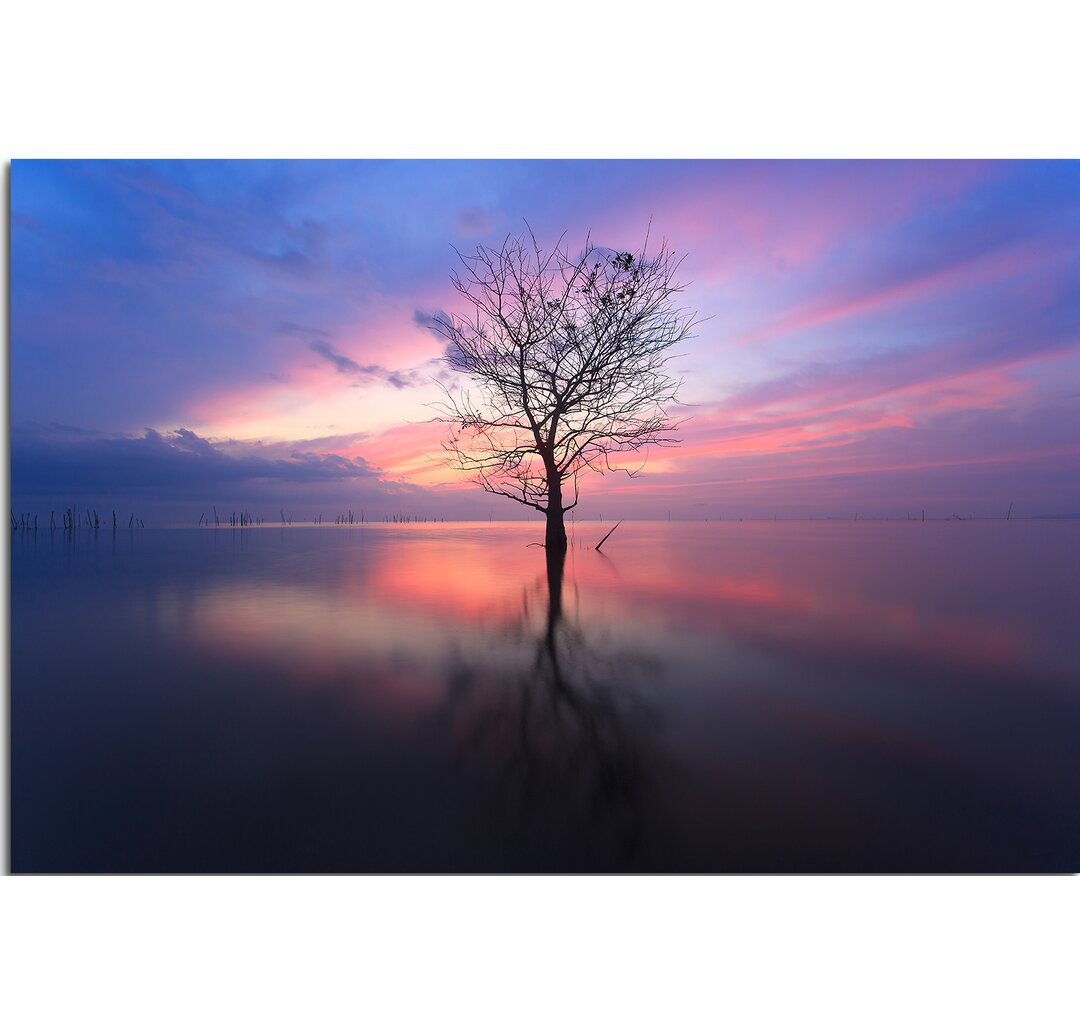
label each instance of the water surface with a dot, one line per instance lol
(722, 696)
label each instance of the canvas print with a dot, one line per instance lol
(579, 516)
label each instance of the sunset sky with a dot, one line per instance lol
(877, 338)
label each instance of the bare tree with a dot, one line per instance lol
(568, 357)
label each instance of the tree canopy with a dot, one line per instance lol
(567, 357)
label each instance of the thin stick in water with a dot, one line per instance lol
(610, 531)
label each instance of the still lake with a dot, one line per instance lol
(712, 696)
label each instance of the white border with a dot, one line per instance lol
(558, 79)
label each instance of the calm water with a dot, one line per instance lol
(724, 696)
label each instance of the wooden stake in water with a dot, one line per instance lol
(610, 531)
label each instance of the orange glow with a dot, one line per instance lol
(411, 451)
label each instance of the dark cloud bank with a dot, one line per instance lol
(177, 472)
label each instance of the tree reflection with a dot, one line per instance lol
(563, 720)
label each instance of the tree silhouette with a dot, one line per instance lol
(568, 360)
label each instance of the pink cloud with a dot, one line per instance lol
(980, 270)
(745, 216)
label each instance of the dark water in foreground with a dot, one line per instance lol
(725, 696)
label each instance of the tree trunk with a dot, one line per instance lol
(555, 537)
